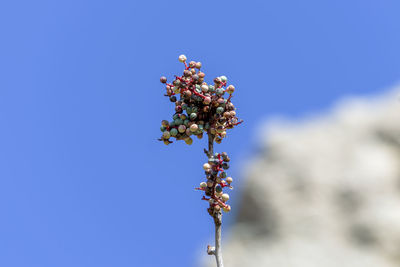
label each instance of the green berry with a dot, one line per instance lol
(225, 165)
(218, 189)
(219, 91)
(178, 121)
(220, 110)
(174, 132)
(193, 116)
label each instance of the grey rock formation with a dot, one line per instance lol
(324, 191)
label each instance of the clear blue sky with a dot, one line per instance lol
(83, 181)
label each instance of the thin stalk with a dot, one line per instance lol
(216, 251)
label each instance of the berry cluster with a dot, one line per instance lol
(206, 108)
(216, 181)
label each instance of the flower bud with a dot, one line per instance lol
(182, 58)
(194, 128)
(230, 89)
(187, 94)
(163, 79)
(166, 135)
(206, 166)
(225, 197)
(207, 100)
(227, 208)
(189, 141)
(182, 128)
(164, 123)
(192, 64)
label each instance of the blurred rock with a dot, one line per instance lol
(323, 192)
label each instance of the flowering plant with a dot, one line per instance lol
(202, 107)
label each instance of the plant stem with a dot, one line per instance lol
(216, 251)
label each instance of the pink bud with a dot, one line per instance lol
(207, 100)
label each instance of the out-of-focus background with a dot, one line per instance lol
(84, 181)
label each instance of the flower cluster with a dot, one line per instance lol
(216, 181)
(201, 107)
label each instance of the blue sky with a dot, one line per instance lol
(83, 181)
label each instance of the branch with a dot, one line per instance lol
(216, 251)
